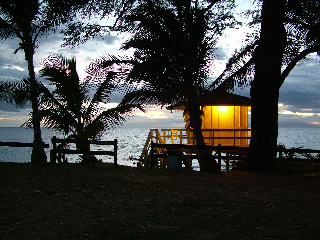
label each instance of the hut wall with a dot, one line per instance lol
(223, 117)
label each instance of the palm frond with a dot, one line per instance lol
(145, 96)
(6, 95)
(21, 92)
(102, 94)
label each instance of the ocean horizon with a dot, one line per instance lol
(131, 142)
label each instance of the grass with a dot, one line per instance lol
(76, 201)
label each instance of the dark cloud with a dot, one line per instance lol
(291, 120)
(300, 95)
(12, 74)
(110, 39)
(220, 54)
(51, 38)
(9, 108)
(301, 89)
(12, 66)
(7, 56)
(116, 97)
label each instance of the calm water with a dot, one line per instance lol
(131, 142)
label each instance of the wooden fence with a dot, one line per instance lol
(291, 157)
(57, 150)
(235, 153)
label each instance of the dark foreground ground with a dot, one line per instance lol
(77, 202)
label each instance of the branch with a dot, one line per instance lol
(294, 62)
(213, 2)
(231, 79)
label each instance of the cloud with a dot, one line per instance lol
(220, 54)
(13, 118)
(110, 39)
(301, 89)
(155, 117)
(9, 108)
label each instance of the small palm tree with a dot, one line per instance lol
(67, 104)
(77, 107)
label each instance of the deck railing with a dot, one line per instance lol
(288, 161)
(225, 137)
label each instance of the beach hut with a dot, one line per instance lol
(224, 121)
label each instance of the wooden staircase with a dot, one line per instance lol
(154, 136)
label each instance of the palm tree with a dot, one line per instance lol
(28, 20)
(75, 107)
(173, 43)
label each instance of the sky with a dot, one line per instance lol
(299, 101)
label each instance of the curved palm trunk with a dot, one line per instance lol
(38, 154)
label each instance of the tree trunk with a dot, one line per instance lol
(206, 164)
(264, 88)
(38, 154)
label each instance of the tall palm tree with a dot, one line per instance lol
(28, 20)
(173, 43)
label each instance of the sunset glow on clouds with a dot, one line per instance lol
(152, 114)
(299, 95)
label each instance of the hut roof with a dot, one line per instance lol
(219, 99)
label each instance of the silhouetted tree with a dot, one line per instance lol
(289, 32)
(71, 105)
(28, 20)
(264, 89)
(173, 44)
(78, 107)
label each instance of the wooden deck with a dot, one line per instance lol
(212, 137)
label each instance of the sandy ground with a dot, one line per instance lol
(72, 201)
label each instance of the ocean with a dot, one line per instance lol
(131, 142)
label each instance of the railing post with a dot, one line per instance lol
(219, 156)
(227, 163)
(59, 153)
(115, 147)
(171, 136)
(53, 153)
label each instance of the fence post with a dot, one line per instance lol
(219, 156)
(115, 147)
(53, 156)
(152, 155)
(280, 160)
